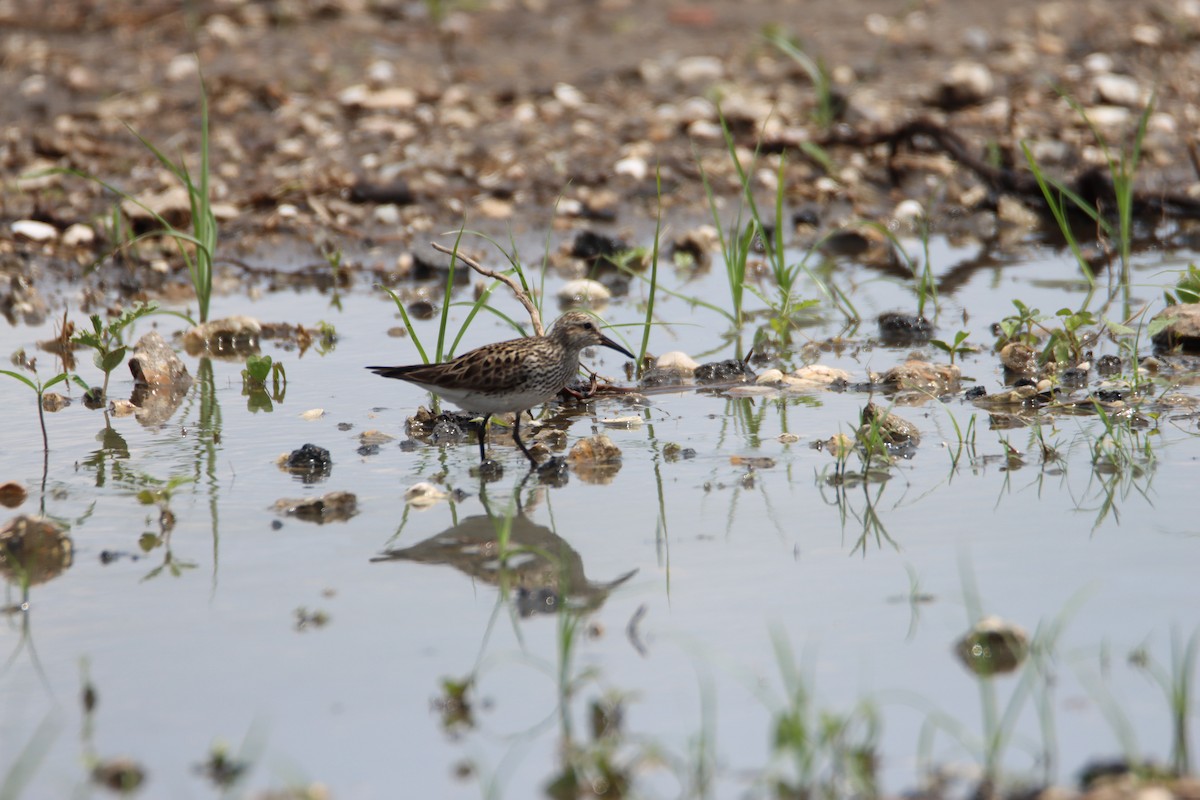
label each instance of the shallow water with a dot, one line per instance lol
(723, 560)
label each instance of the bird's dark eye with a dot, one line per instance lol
(587, 326)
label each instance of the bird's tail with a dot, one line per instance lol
(394, 372)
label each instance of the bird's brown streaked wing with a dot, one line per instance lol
(505, 370)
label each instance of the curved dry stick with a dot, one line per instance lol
(534, 317)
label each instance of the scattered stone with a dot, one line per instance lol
(155, 363)
(12, 494)
(729, 371)
(967, 83)
(626, 423)
(1118, 90)
(424, 495)
(22, 302)
(584, 292)
(312, 414)
(752, 462)
(78, 235)
(53, 401)
(332, 507)
(751, 391)
(595, 460)
(310, 462)
(360, 96)
(699, 69)
(122, 775)
(922, 376)
(817, 375)
(233, 336)
(993, 647)
(839, 445)
(594, 449)
(122, 408)
(770, 376)
(1012, 211)
(374, 438)
(890, 428)
(697, 244)
(1073, 378)
(1017, 395)
(898, 329)
(677, 361)
(596, 248)
(33, 550)
(34, 231)
(788, 438)
(1107, 366)
(1182, 327)
(1019, 358)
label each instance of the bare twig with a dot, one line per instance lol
(508, 280)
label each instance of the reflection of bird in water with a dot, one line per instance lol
(545, 570)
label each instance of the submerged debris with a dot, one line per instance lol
(993, 647)
(922, 376)
(595, 459)
(33, 550)
(899, 329)
(122, 775)
(12, 494)
(232, 336)
(333, 507)
(890, 429)
(424, 495)
(727, 371)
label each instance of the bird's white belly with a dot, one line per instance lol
(492, 403)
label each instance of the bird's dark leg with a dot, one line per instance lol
(517, 439)
(482, 436)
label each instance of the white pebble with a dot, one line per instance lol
(677, 360)
(34, 231)
(78, 234)
(584, 290)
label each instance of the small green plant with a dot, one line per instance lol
(198, 247)
(829, 105)
(1187, 288)
(327, 338)
(106, 339)
(1176, 682)
(1067, 345)
(160, 497)
(955, 348)
(827, 754)
(39, 389)
(1019, 327)
(254, 382)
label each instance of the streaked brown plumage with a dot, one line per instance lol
(511, 376)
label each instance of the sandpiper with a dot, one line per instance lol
(512, 376)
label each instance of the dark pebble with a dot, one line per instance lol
(896, 328)
(368, 450)
(595, 247)
(975, 392)
(1108, 365)
(723, 372)
(1074, 378)
(310, 462)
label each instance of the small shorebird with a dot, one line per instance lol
(512, 376)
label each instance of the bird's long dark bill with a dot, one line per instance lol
(607, 342)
